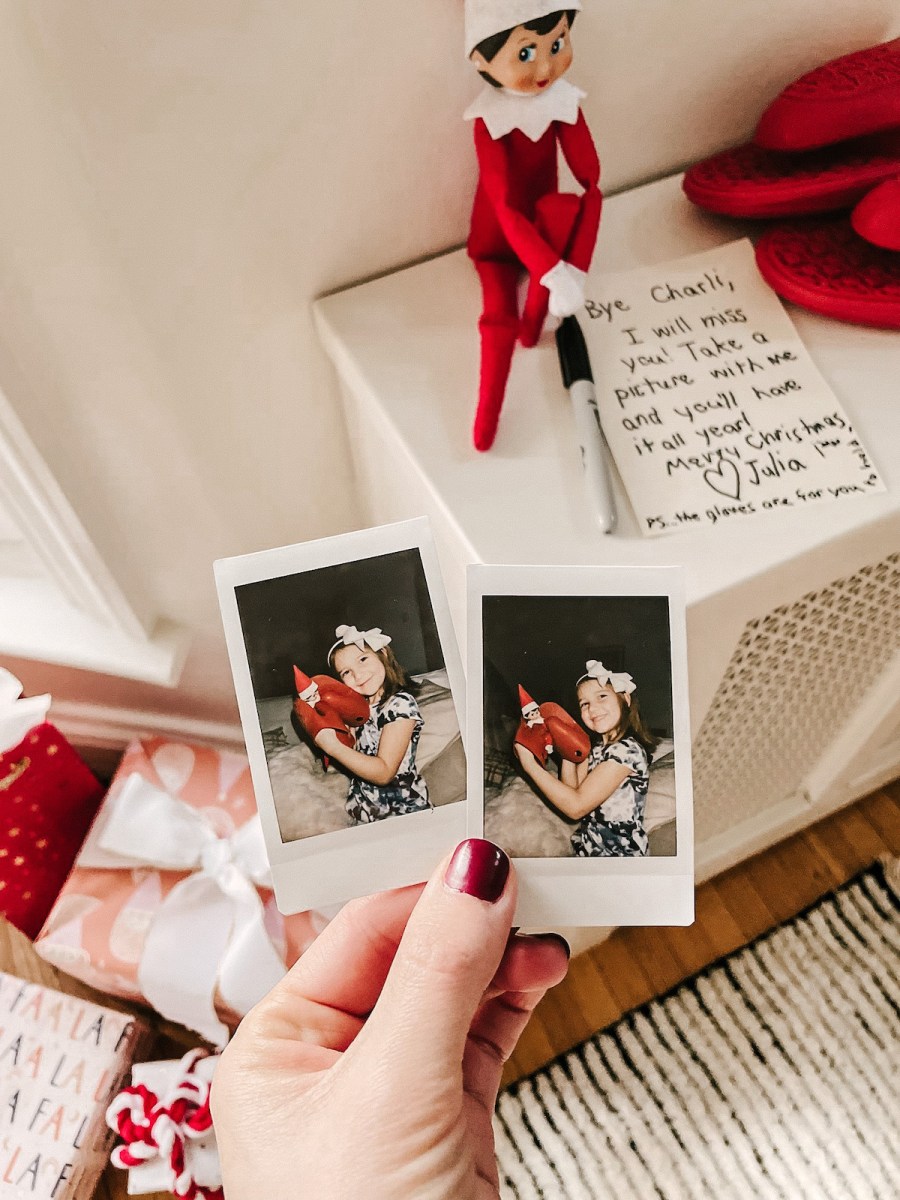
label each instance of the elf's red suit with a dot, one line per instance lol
(521, 220)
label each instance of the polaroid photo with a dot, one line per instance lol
(578, 742)
(351, 696)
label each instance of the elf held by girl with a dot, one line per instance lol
(384, 779)
(525, 115)
(607, 793)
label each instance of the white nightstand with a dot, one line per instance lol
(793, 618)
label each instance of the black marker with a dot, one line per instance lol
(579, 382)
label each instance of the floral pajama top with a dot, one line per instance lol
(407, 792)
(616, 828)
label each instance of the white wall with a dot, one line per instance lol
(182, 177)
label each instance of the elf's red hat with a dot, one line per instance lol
(524, 698)
(301, 681)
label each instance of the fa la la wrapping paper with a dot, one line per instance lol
(61, 1061)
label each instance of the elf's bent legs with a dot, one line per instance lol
(555, 218)
(498, 327)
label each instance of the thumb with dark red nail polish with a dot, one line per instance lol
(478, 868)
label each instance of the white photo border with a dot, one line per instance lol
(591, 891)
(329, 868)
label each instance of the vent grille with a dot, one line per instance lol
(791, 685)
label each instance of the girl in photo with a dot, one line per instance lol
(384, 779)
(608, 791)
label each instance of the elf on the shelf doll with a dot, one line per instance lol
(525, 114)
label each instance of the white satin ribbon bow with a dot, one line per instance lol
(620, 681)
(18, 717)
(349, 635)
(209, 934)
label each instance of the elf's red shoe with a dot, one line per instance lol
(749, 181)
(825, 266)
(570, 740)
(848, 97)
(877, 216)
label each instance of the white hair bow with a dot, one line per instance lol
(619, 681)
(349, 635)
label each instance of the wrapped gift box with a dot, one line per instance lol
(172, 1096)
(169, 903)
(61, 1061)
(48, 798)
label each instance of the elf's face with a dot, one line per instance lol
(529, 62)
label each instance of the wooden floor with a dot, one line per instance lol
(634, 965)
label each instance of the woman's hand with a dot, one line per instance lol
(372, 1069)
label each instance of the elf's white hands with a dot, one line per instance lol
(372, 1069)
(565, 284)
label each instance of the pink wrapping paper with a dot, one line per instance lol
(98, 926)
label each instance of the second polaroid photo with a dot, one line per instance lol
(579, 740)
(350, 691)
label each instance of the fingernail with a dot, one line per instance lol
(556, 937)
(479, 869)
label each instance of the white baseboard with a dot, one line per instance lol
(719, 853)
(108, 728)
(778, 823)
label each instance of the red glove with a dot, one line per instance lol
(555, 730)
(877, 216)
(329, 704)
(570, 740)
(848, 97)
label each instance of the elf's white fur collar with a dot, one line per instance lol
(503, 111)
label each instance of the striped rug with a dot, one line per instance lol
(772, 1075)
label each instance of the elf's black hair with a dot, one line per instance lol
(491, 46)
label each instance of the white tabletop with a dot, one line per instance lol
(407, 344)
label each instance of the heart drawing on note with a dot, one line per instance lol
(724, 479)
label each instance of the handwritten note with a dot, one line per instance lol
(711, 405)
